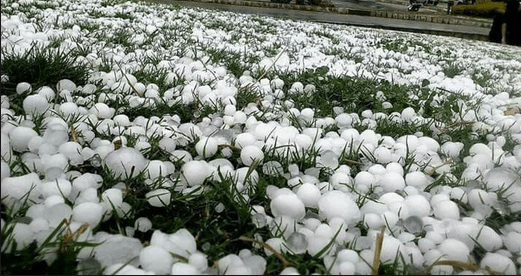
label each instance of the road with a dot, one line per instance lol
(470, 32)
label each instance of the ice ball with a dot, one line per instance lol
(19, 138)
(125, 162)
(338, 204)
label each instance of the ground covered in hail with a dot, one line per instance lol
(139, 138)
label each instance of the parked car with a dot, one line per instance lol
(415, 5)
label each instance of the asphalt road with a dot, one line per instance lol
(470, 32)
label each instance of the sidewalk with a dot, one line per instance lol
(392, 20)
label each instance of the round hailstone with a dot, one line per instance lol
(343, 120)
(199, 261)
(488, 239)
(125, 162)
(453, 249)
(157, 168)
(113, 197)
(183, 269)
(416, 179)
(418, 206)
(35, 105)
(309, 194)
(513, 242)
(19, 138)
(249, 154)
(20, 186)
(156, 259)
(66, 84)
(288, 205)
(159, 197)
(23, 87)
(391, 249)
(195, 172)
(446, 209)
(392, 181)
(60, 187)
(337, 204)
(499, 263)
(6, 171)
(56, 134)
(68, 109)
(102, 111)
(143, 224)
(88, 212)
(206, 147)
(499, 178)
(245, 139)
(364, 179)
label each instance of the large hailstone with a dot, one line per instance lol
(195, 172)
(249, 154)
(288, 204)
(125, 162)
(338, 204)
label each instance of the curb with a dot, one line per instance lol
(442, 19)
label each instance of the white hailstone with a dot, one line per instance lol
(501, 179)
(416, 179)
(417, 205)
(431, 144)
(231, 260)
(88, 212)
(22, 235)
(338, 204)
(159, 197)
(488, 238)
(61, 187)
(66, 84)
(256, 263)
(391, 249)
(364, 179)
(341, 181)
(478, 198)
(56, 213)
(183, 269)
(453, 249)
(117, 249)
(394, 167)
(251, 153)
(383, 155)
(499, 263)
(156, 168)
(23, 87)
(121, 120)
(5, 170)
(373, 221)
(195, 172)
(56, 134)
(143, 224)
(199, 261)
(35, 105)
(307, 114)
(125, 162)
(72, 150)
(68, 109)
(390, 218)
(452, 149)
(102, 111)
(309, 194)
(19, 138)
(392, 181)
(156, 259)
(53, 200)
(245, 139)
(113, 197)
(206, 147)
(288, 205)
(289, 271)
(446, 209)
(513, 242)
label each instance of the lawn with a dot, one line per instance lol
(141, 138)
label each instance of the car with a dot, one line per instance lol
(415, 5)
